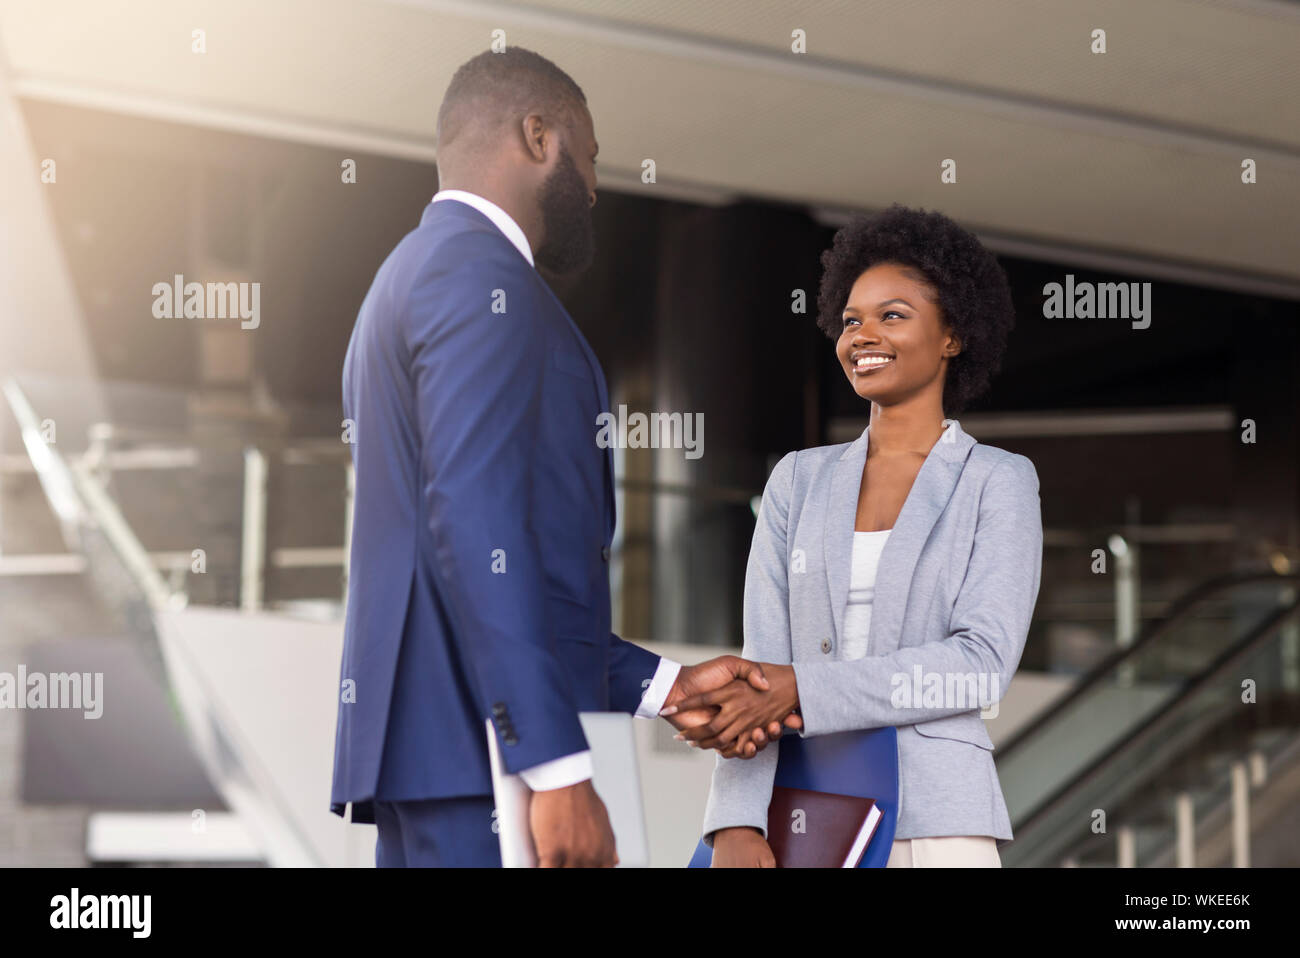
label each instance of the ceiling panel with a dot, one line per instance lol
(1129, 154)
(1217, 65)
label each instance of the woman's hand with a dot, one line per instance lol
(742, 708)
(750, 743)
(741, 848)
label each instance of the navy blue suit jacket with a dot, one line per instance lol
(484, 510)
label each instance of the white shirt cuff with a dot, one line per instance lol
(652, 700)
(572, 769)
(559, 772)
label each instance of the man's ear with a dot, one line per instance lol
(536, 136)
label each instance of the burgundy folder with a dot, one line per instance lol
(819, 829)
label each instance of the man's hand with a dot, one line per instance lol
(571, 828)
(714, 674)
(741, 708)
(705, 677)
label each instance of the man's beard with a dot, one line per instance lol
(570, 237)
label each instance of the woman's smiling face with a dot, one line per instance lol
(895, 343)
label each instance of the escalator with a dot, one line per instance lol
(1163, 734)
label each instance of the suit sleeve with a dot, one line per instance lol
(630, 670)
(742, 788)
(476, 355)
(989, 624)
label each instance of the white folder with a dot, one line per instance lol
(612, 741)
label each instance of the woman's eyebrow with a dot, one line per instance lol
(854, 309)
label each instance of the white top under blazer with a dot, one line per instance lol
(867, 547)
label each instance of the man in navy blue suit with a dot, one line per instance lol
(484, 506)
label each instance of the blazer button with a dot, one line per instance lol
(826, 645)
(511, 740)
(499, 709)
(604, 553)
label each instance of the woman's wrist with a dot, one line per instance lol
(736, 831)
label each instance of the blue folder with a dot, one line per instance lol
(861, 763)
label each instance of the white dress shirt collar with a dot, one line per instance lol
(499, 217)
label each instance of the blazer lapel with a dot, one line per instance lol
(841, 515)
(925, 502)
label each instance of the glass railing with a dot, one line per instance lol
(1135, 755)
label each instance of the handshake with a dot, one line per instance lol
(727, 703)
(733, 705)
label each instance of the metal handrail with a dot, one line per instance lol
(1179, 611)
(1281, 758)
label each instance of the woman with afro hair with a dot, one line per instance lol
(891, 580)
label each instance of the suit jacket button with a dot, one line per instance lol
(499, 709)
(511, 740)
(604, 553)
(826, 645)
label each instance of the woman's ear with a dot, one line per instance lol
(952, 347)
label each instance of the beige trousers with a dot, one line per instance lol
(956, 851)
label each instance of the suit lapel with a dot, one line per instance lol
(925, 502)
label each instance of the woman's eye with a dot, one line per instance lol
(894, 313)
(849, 321)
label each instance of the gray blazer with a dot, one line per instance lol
(954, 594)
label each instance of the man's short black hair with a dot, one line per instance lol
(492, 89)
(973, 294)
